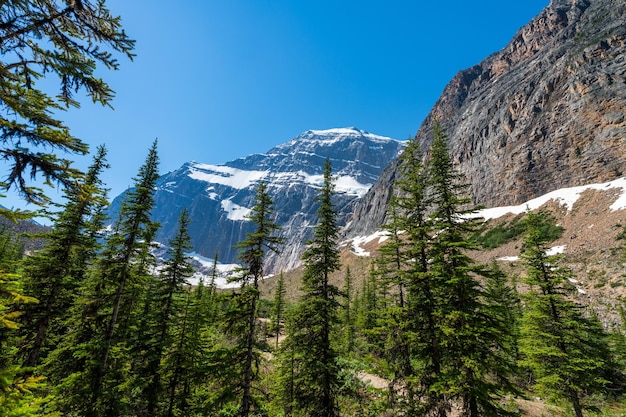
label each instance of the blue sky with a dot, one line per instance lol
(214, 80)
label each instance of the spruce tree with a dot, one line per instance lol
(19, 394)
(409, 321)
(467, 332)
(92, 358)
(312, 374)
(127, 257)
(64, 41)
(54, 274)
(161, 310)
(347, 318)
(187, 371)
(566, 350)
(242, 320)
(278, 313)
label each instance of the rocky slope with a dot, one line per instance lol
(592, 245)
(218, 197)
(547, 111)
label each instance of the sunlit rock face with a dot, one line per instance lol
(548, 111)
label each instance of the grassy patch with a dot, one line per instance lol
(491, 237)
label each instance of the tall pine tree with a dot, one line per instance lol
(468, 333)
(54, 274)
(161, 310)
(566, 350)
(278, 311)
(409, 322)
(312, 373)
(92, 359)
(243, 317)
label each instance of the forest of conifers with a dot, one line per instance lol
(94, 325)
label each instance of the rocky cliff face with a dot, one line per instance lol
(218, 197)
(547, 111)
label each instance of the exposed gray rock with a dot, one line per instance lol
(218, 197)
(546, 112)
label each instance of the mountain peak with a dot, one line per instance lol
(333, 135)
(218, 197)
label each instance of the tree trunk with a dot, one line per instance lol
(246, 402)
(578, 411)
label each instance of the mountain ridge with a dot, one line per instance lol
(544, 112)
(219, 197)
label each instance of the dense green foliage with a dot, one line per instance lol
(567, 351)
(503, 232)
(59, 41)
(309, 366)
(94, 325)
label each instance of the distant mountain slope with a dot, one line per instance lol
(547, 111)
(218, 197)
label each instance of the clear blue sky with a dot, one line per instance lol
(214, 80)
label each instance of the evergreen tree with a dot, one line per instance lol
(187, 373)
(127, 257)
(505, 302)
(366, 308)
(11, 250)
(40, 39)
(348, 315)
(566, 351)
(92, 359)
(17, 384)
(278, 313)
(409, 322)
(54, 274)
(312, 376)
(468, 333)
(160, 313)
(243, 317)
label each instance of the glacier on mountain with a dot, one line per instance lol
(219, 196)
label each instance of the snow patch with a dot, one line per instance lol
(241, 179)
(556, 250)
(345, 184)
(224, 175)
(358, 250)
(330, 136)
(565, 196)
(508, 258)
(235, 211)
(223, 271)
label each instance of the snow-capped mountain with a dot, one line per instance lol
(218, 197)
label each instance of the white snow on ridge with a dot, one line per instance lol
(343, 183)
(358, 250)
(235, 211)
(338, 134)
(241, 179)
(555, 250)
(347, 184)
(508, 258)
(224, 175)
(222, 273)
(565, 196)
